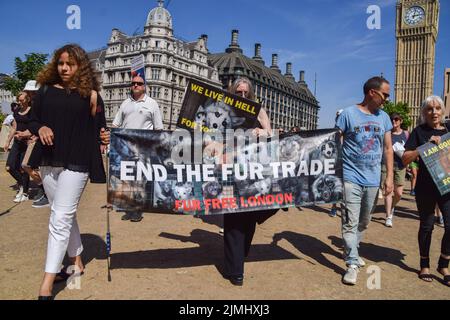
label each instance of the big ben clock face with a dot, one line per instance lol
(414, 15)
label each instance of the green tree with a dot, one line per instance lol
(25, 70)
(401, 108)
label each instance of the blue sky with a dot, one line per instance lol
(326, 37)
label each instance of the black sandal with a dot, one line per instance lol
(63, 275)
(425, 264)
(443, 264)
(426, 277)
(447, 280)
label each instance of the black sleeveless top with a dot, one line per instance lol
(22, 121)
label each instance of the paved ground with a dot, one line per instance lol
(296, 255)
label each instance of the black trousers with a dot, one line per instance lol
(239, 229)
(426, 204)
(14, 162)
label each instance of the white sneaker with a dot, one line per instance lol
(388, 222)
(19, 194)
(351, 275)
(361, 262)
(22, 198)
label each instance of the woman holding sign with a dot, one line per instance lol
(239, 228)
(427, 194)
(64, 118)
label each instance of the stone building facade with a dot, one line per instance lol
(169, 63)
(288, 102)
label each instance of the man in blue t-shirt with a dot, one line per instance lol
(366, 130)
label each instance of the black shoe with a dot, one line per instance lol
(126, 216)
(64, 276)
(236, 280)
(136, 217)
(39, 194)
(46, 298)
(41, 203)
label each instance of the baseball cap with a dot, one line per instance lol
(31, 86)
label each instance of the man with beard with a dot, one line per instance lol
(366, 131)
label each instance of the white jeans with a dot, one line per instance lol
(64, 189)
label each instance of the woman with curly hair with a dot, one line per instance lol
(65, 120)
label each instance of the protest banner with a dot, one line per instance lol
(437, 161)
(138, 67)
(209, 108)
(198, 173)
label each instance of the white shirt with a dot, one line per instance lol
(8, 120)
(139, 114)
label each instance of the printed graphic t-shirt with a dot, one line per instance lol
(363, 145)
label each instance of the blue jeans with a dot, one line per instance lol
(359, 204)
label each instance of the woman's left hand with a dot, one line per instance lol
(435, 139)
(105, 136)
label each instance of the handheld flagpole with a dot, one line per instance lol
(108, 230)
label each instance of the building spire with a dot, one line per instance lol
(161, 3)
(234, 45)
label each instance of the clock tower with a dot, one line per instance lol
(417, 27)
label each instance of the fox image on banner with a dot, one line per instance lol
(209, 108)
(173, 172)
(437, 160)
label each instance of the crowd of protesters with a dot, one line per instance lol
(57, 132)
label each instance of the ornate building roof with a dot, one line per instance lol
(236, 61)
(233, 61)
(97, 55)
(288, 102)
(159, 17)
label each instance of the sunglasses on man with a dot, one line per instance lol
(384, 96)
(136, 83)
